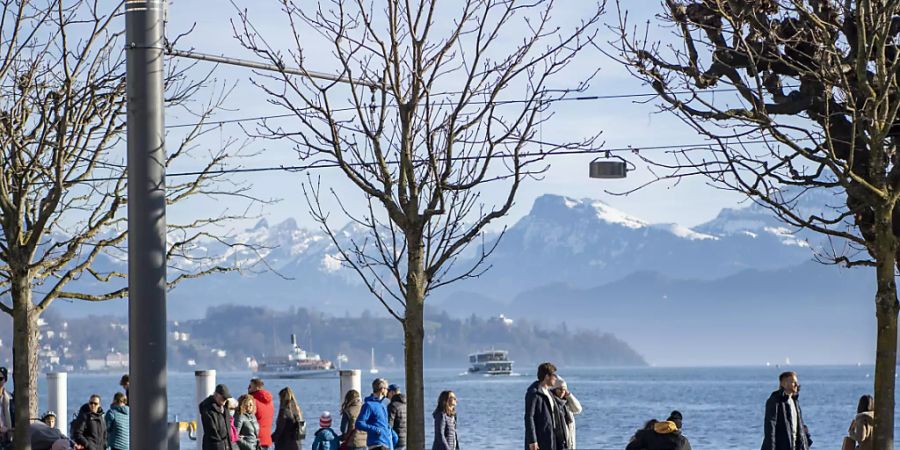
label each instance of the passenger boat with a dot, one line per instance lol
(298, 364)
(492, 362)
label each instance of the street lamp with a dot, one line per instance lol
(609, 166)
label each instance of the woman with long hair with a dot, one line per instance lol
(351, 438)
(860, 433)
(445, 437)
(246, 424)
(289, 427)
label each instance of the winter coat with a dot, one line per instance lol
(89, 428)
(560, 424)
(326, 439)
(265, 412)
(397, 418)
(287, 430)
(43, 436)
(7, 411)
(374, 421)
(778, 422)
(117, 427)
(248, 431)
(348, 426)
(216, 422)
(445, 437)
(861, 430)
(573, 408)
(664, 436)
(539, 420)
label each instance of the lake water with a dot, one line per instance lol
(722, 407)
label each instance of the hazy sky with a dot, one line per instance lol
(623, 122)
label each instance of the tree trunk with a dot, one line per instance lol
(886, 308)
(25, 361)
(414, 336)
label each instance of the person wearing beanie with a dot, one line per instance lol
(664, 435)
(215, 420)
(570, 406)
(326, 438)
(397, 415)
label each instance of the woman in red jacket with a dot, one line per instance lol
(265, 411)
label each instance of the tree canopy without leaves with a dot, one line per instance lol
(62, 170)
(423, 131)
(794, 95)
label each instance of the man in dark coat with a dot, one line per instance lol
(784, 427)
(540, 416)
(89, 428)
(216, 420)
(397, 415)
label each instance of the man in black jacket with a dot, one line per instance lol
(784, 427)
(216, 420)
(397, 415)
(540, 417)
(89, 427)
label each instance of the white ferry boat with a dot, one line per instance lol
(492, 362)
(298, 364)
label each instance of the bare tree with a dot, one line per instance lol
(424, 132)
(62, 175)
(810, 103)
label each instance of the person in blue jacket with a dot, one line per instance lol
(373, 419)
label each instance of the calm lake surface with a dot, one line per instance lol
(722, 407)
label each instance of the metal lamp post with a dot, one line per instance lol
(144, 32)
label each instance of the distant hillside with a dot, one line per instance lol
(229, 335)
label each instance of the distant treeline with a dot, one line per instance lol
(231, 334)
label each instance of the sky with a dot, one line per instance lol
(623, 123)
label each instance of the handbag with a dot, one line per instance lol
(848, 444)
(301, 430)
(347, 440)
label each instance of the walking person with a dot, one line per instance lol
(89, 427)
(326, 438)
(783, 426)
(265, 411)
(7, 420)
(661, 435)
(246, 424)
(290, 428)
(445, 437)
(351, 438)
(397, 415)
(570, 406)
(215, 420)
(117, 422)
(540, 408)
(862, 426)
(374, 421)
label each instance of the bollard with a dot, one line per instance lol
(350, 379)
(58, 398)
(206, 384)
(174, 436)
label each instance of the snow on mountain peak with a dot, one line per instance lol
(684, 232)
(609, 214)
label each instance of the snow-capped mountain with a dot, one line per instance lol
(580, 243)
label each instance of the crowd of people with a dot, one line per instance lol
(379, 421)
